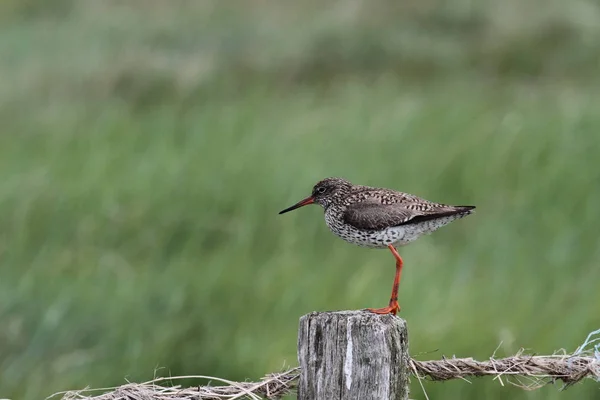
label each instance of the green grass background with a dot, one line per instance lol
(147, 147)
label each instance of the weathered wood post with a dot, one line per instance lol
(352, 355)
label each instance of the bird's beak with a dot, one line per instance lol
(301, 203)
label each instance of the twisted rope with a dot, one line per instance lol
(525, 371)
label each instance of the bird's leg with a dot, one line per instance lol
(393, 307)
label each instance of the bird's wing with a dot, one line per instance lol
(376, 216)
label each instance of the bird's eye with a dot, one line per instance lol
(321, 190)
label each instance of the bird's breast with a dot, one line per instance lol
(362, 237)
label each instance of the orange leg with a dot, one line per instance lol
(393, 307)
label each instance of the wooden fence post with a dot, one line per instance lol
(352, 355)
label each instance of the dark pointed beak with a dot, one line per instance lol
(301, 203)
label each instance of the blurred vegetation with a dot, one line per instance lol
(148, 145)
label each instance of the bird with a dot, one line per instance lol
(379, 218)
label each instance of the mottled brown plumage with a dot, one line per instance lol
(379, 218)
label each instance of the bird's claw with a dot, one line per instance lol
(391, 309)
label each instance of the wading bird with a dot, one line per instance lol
(379, 218)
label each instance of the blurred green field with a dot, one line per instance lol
(147, 147)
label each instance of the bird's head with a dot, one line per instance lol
(323, 193)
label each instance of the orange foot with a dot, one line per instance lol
(391, 309)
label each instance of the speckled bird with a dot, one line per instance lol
(379, 218)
